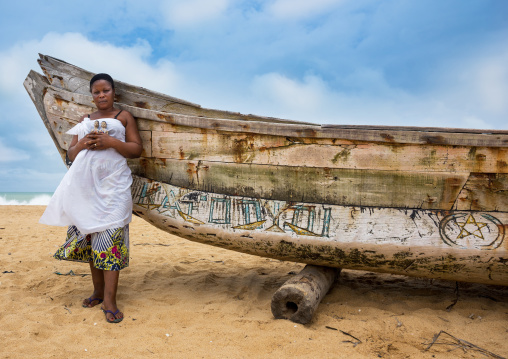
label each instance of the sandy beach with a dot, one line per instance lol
(187, 300)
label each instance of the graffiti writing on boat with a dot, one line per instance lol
(409, 227)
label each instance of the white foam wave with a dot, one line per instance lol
(37, 200)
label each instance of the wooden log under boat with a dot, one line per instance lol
(298, 298)
(427, 202)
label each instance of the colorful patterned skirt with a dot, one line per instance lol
(108, 250)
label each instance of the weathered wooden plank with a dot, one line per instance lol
(480, 192)
(146, 138)
(277, 150)
(72, 78)
(419, 129)
(371, 188)
(240, 149)
(60, 126)
(310, 131)
(298, 131)
(157, 126)
(272, 150)
(440, 230)
(76, 80)
(484, 189)
(216, 145)
(36, 86)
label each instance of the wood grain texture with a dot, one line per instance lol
(482, 190)
(394, 175)
(278, 150)
(76, 80)
(372, 188)
(269, 126)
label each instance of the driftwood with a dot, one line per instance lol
(299, 297)
(456, 343)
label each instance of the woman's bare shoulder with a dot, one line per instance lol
(125, 117)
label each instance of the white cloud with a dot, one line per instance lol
(306, 96)
(491, 79)
(10, 154)
(372, 102)
(313, 100)
(475, 122)
(188, 13)
(130, 64)
(474, 91)
(295, 9)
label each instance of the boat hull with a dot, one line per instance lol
(420, 202)
(452, 245)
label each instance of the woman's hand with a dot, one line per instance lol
(77, 146)
(99, 141)
(131, 148)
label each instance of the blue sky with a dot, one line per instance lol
(395, 62)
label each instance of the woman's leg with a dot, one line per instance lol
(110, 289)
(98, 287)
(110, 251)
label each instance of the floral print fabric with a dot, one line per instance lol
(108, 250)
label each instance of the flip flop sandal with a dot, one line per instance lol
(90, 301)
(117, 320)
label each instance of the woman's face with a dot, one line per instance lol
(103, 94)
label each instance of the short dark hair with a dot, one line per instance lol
(102, 77)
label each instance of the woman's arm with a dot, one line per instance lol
(77, 146)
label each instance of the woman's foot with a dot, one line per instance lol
(113, 316)
(91, 302)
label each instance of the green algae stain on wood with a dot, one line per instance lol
(342, 156)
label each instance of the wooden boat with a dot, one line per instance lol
(427, 202)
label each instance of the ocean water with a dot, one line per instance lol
(25, 198)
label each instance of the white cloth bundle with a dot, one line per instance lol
(95, 194)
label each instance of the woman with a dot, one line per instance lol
(94, 197)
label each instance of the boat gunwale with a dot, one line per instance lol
(123, 87)
(360, 133)
(256, 118)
